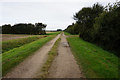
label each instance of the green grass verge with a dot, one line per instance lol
(66, 33)
(10, 44)
(95, 62)
(51, 55)
(53, 33)
(13, 57)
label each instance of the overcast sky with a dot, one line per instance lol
(55, 13)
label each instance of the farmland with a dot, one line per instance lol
(6, 37)
(10, 41)
(75, 40)
(10, 44)
(20, 48)
(93, 61)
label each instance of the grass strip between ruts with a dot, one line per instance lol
(51, 55)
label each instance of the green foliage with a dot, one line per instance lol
(6, 29)
(99, 25)
(84, 20)
(13, 57)
(95, 62)
(8, 45)
(106, 29)
(69, 29)
(59, 29)
(73, 29)
(23, 28)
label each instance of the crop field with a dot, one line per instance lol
(6, 37)
(10, 44)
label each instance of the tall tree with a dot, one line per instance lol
(6, 29)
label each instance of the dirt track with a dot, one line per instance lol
(30, 67)
(64, 65)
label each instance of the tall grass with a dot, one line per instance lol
(13, 57)
(10, 44)
(95, 62)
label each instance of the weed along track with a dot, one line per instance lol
(30, 66)
(64, 65)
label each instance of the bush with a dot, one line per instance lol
(99, 25)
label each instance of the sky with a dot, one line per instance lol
(57, 14)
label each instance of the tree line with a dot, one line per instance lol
(99, 25)
(24, 28)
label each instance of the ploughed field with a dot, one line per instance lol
(6, 37)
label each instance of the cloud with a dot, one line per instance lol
(55, 13)
(56, 0)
